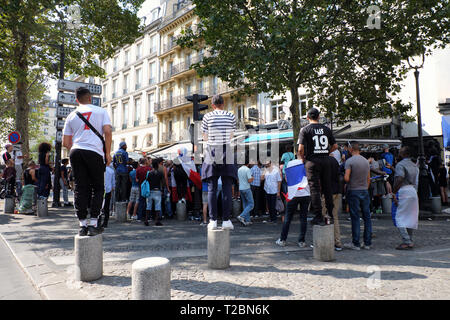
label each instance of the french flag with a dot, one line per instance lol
(189, 167)
(295, 178)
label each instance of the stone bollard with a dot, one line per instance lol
(219, 249)
(386, 204)
(436, 205)
(323, 241)
(88, 257)
(42, 207)
(121, 212)
(9, 205)
(150, 279)
(181, 211)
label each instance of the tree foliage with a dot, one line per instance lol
(325, 46)
(32, 31)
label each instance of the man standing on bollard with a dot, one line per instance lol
(316, 142)
(87, 135)
(218, 128)
(120, 162)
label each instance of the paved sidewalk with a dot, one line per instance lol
(259, 268)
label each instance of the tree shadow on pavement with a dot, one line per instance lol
(221, 288)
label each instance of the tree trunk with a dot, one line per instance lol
(296, 125)
(21, 100)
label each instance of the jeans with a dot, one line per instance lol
(44, 182)
(226, 197)
(167, 202)
(121, 186)
(106, 204)
(256, 191)
(65, 191)
(318, 171)
(359, 199)
(406, 234)
(290, 210)
(155, 197)
(247, 203)
(272, 201)
(141, 207)
(88, 171)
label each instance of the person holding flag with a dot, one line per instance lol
(298, 193)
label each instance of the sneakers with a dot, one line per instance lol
(337, 248)
(68, 204)
(93, 231)
(212, 224)
(365, 247)
(241, 220)
(280, 243)
(351, 246)
(203, 223)
(318, 221)
(227, 225)
(158, 224)
(83, 231)
(302, 244)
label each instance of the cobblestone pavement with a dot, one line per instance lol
(259, 269)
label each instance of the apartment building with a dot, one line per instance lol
(178, 80)
(130, 89)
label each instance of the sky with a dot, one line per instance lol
(147, 6)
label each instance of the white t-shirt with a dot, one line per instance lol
(271, 180)
(82, 136)
(18, 161)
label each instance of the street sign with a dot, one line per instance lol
(69, 98)
(59, 135)
(60, 124)
(14, 137)
(63, 112)
(71, 86)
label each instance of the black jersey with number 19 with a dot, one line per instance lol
(317, 140)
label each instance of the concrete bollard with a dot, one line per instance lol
(121, 212)
(9, 205)
(42, 207)
(436, 205)
(323, 241)
(88, 257)
(386, 204)
(181, 211)
(150, 279)
(219, 249)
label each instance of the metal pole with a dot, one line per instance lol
(423, 175)
(56, 187)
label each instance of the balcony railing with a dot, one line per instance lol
(168, 137)
(181, 99)
(169, 46)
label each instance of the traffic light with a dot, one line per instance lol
(195, 99)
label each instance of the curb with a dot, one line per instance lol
(50, 285)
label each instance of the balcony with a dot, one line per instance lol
(167, 137)
(124, 126)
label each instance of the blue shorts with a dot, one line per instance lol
(155, 197)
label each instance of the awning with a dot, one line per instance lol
(270, 136)
(446, 130)
(353, 127)
(170, 152)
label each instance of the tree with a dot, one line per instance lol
(329, 47)
(31, 34)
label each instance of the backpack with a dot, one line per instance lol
(145, 187)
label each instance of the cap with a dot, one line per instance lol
(121, 144)
(313, 113)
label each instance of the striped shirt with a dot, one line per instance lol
(219, 125)
(256, 173)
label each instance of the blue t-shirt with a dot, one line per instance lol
(389, 157)
(204, 186)
(285, 158)
(133, 179)
(121, 160)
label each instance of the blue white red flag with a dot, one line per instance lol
(189, 167)
(296, 179)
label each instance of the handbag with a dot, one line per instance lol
(279, 206)
(145, 187)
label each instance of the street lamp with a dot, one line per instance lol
(424, 189)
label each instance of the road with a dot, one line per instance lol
(14, 284)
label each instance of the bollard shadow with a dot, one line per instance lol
(333, 272)
(222, 288)
(113, 281)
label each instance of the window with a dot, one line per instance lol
(151, 105)
(155, 14)
(200, 86)
(114, 94)
(152, 71)
(303, 105)
(137, 111)
(187, 60)
(276, 108)
(127, 57)
(105, 92)
(125, 84)
(115, 64)
(214, 85)
(134, 142)
(114, 117)
(170, 93)
(138, 78)
(153, 44)
(138, 51)
(149, 140)
(125, 115)
(241, 112)
(188, 89)
(188, 122)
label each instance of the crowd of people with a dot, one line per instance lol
(322, 178)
